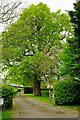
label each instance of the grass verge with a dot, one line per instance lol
(0, 115)
(6, 114)
(45, 99)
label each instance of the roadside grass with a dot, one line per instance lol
(7, 114)
(39, 98)
(45, 99)
(0, 115)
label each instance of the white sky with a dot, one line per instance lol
(54, 5)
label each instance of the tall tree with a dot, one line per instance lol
(71, 53)
(9, 13)
(37, 31)
(75, 19)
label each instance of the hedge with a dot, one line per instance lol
(28, 90)
(7, 95)
(15, 92)
(0, 91)
(45, 93)
(67, 92)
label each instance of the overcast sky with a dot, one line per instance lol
(54, 5)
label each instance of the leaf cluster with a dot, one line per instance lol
(67, 92)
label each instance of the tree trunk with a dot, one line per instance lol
(37, 91)
(58, 77)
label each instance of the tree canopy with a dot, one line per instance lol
(31, 45)
(37, 30)
(71, 53)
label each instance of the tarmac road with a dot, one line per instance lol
(26, 107)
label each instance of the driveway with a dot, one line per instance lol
(26, 107)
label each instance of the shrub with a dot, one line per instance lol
(7, 95)
(0, 91)
(46, 89)
(67, 92)
(15, 92)
(45, 93)
(28, 90)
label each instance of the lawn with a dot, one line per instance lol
(45, 99)
(39, 98)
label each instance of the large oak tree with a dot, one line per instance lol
(37, 32)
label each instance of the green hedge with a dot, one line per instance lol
(46, 89)
(7, 95)
(15, 92)
(28, 90)
(45, 93)
(0, 91)
(67, 92)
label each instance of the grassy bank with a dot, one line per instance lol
(45, 99)
(0, 115)
(39, 98)
(6, 114)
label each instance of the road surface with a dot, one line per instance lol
(26, 107)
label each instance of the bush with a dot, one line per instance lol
(45, 93)
(15, 92)
(46, 89)
(7, 95)
(67, 92)
(28, 90)
(0, 91)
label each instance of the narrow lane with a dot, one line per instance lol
(25, 107)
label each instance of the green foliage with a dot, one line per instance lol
(45, 93)
(31, 45)
(67, 92)
(15, 92)
(7, 95)
(75, 19)
(0, 91)
(44, 99)
(70, 59)
(71, 53)
(37, 30)
(35, 65)
(7, 114)
(14, 76)
(28, 90)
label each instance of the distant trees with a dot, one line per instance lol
(71, 53)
